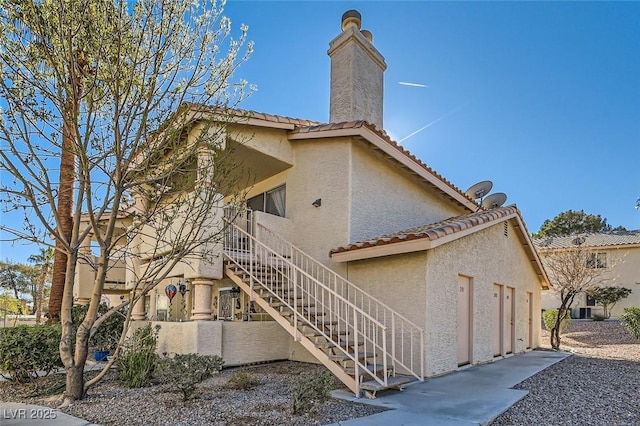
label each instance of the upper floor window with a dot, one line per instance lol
(272, 201)
(597, 260)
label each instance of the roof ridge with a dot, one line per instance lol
(256, 114)
(597, 239)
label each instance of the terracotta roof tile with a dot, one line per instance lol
(435, 230)
(254, 114)
(616, 238)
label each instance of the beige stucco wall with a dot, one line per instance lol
(322, 170)
(385, 200)
(398, 281)
(624, 271)
(236, 342)
(423, 287)
(272, 142)
(488, 257)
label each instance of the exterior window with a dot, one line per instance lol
(590, 301)
(272, 201)
(597, 260)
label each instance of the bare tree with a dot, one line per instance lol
(151, 166)
(572, 271)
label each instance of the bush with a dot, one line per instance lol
(26, 350)
(598, 317)
(139, 359)
(550, 317)
(242, 380)
(108, 333)
(184, 371)
(310, 390)
(631, 319)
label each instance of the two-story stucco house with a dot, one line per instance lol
(616, 254)
(352, 252)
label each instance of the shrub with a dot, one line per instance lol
(26, 350)
(310, 390)
(139, 359)
(242, 380)
(631, 319)
(550, 316)
(108, 333)
(184, 371)
(598, 317)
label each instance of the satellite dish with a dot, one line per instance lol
(479, 190)
(494, 200)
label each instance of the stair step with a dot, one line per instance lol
(313, 312)
(333, 343)
(268, 296)
(275, 289)
(341, 357)
(332, 334)
(324, 322)
(372, 368)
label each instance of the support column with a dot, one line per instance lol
(139, 313)
(153, 305)
(201, 299)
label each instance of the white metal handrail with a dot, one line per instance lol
(406, 337)
(338, 320)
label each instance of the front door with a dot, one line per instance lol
(529, 328)
(509, 312)
(498, 319)
(464, 320)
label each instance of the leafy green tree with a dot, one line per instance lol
(573, 223)
(9, 305)
(21, 280)
(608, 297)
(116, 84)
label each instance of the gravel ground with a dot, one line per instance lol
(269, 403)
(599, 385)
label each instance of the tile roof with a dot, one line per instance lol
(435, 230)
(253, 114)
(302, 126)
(384, 136)
(616, 238)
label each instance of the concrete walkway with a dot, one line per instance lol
(474, 396)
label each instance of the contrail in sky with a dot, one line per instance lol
(453, 111)
(404, 83)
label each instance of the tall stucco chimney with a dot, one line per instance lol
(356, 74)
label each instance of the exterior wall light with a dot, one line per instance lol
(317, 203)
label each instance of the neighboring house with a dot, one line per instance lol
(378, 267)
(617, 254)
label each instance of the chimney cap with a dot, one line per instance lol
(351, 16)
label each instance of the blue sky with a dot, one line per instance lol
(542, 98)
